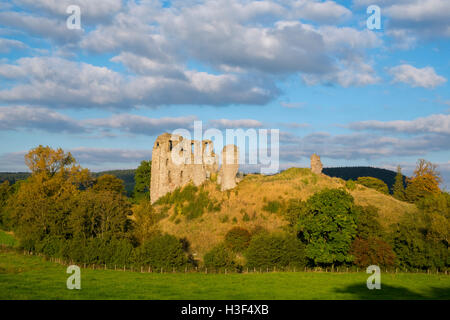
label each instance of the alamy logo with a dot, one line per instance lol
(74, 20)
(74, 281)
(374, 281)
(374, 20)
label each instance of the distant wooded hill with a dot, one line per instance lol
(126, 175)
(353, 173)
(346, 173)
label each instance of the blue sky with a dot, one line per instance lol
(307, 67)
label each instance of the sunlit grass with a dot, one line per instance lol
(30, 277)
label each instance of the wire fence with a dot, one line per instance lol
(237, 270)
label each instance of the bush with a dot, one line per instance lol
(162, 251)
(372, 251)
(350, 185)
(374, 183)
(237, 239)
(272, 206)
(275, 250)
(219, 258)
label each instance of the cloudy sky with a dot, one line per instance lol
(310, 68)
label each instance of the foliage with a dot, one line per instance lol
(372, 251)
(142, 181)
(220, 257)
(425, 181)
(350, 185)
(161, 251)
(328, 226)
(368, 224)
(108, 182)
(420, 240)
(275, 250)
(295, 208)
(399, 185)
(374, 183)
(5, 192)
(272, 206)
(145, 221)
(190, 201)
(237, 239)
(99, 214)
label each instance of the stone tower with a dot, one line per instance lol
(177, 161)
(316, 164)
(229, 168)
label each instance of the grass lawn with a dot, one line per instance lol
(30, 277)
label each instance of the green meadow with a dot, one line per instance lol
(31, 277)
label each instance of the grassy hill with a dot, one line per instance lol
(258, 202)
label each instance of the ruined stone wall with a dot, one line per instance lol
(316, 164)
(229, 168)
(177, 161)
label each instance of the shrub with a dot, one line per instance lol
(275, 250)
(220, 257)
(373, 183)
(350, 185)
(237, 239)
(272, 206)
(162, 251)
(372, 251)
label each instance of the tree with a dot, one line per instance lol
(145, 223)
(5, 192)
(420, 240)
(275, 250)
(372, 251)
(142, 181)
(425, 181)
(368, 225)
(162, 251)
(328, 226)
(108, 182)
(237, 239)
(399, 187)
(100, 214)
(374, 183)
(220, 257)
(48, 160)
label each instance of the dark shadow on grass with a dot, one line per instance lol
(395, 293)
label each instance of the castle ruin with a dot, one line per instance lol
(177, 161)
(316, 164)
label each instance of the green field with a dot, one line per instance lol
(30, 277)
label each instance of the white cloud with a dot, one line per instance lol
(238, 123)
(416, 77)
(6, 45)
(22, 117)
(436, 123)
(60, 83)
(141, 125)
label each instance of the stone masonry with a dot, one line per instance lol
(316, 164)
(177, 161)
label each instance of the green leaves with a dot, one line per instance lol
(328, 226)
